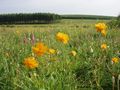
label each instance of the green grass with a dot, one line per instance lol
(86, 71)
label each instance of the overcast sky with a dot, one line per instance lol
(92, 7)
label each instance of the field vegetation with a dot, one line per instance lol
(115, 23)
(75, 54)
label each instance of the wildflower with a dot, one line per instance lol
(104, 46)
(100, 26)
(32, 37)
(51, 51)
(113, 80)
(62, 37)
(39, 49)
(115, 60)
(91, 49)
(58, 52)
(103, 32)
(73, 53)
(18, 32)
(35, 74)
(30, 62)
(25, 39)
(7, 54)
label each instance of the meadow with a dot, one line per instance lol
(77, 64)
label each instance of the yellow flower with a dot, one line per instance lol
(103, 32)
(104, 46)
(17, 32)
(62, 37)
(100, 26)
(39, 49)
(51, 51)
(115, 60)
(30, 62)
(7, 54)
(73, 53)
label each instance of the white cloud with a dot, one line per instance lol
(99, 7)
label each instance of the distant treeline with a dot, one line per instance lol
(30, 18)
(43, 18)
(87, 17)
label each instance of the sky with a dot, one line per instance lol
(87, 7)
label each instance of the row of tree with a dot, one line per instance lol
(28, 18)
(93, 17)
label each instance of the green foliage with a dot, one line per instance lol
(115, 23)
(87, 17)
(33, 18)
(90, 69)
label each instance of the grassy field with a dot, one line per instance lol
(89, 69)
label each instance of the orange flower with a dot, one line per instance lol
(115, 60)
(104, 46)
(100, 26)
(39, 49)
(30, 62)
(62, 37)
(103, 32)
